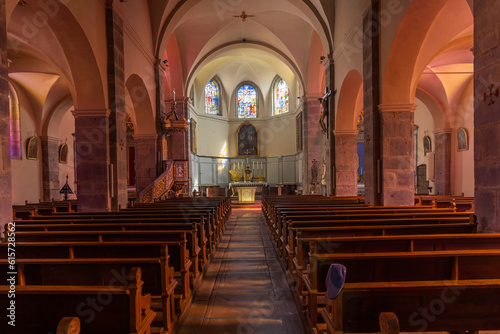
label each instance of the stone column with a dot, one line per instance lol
(397, 163)
(160, 113)
(116, 97)
(145, 161)
(313, 143)
(487, 114)
(50, 168)
(5, 170)
(347, 163)
(442, 161)
(92, 160)
(371, 101)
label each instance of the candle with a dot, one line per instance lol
(174, 94)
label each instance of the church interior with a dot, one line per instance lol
(236, 166)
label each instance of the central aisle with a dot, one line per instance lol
(244, 290)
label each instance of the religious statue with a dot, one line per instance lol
(324, 109)
(323, 176)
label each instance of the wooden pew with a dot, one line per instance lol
(392, 243)
(160, 268)
(333, 227)
(102, 309)
(399, 267)
(158, 277)
(206, 228)
(175, 240)
(195, 230)
(460, 306)
(362, 216)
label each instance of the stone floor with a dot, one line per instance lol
(244, 290)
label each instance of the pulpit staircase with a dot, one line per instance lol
(175, 178)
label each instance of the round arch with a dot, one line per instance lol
(141, 105)
(424, 29)
(350, 101)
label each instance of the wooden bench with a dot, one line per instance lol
(331, 228)
(86, 245)
(195, 231)
(158, 277)
(399, 267)
(102, 309)
(461, 306)
(376, 218)
(160, 269)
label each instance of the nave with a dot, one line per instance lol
(244, 289)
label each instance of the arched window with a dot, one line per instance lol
(15, 124)
(247, 102)
(212, 98)
(281, 98)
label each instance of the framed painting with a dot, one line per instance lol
(192, 131)
(427, 144)
(462, 139)
(248, 140)
(63, 153)
(32, 148)
(298, 127)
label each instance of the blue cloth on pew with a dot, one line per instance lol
(335, 280)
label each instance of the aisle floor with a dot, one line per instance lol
(245, 289)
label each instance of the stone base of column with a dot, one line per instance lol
(442, 162)
(92, 160)
(145, 160)
(347, 164)
(398, 179)
(50, 168)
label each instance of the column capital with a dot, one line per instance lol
(397, 107)
(49, 139)
(311, 97)
(345, 132)
(145, 136)
(441, 131)
(91, 112)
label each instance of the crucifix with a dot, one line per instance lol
(324, 108)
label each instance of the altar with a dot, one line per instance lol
(246, 190)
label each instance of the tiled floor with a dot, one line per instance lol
(244, 290)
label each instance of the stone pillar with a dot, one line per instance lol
(92, 160)
(5, 170)
(160, 113)
(442, 162)
(116, 98)
(347, 163)
(487, 114)
(371, 101)
(145, 161)
(178, 143)
(313, 143)
(50, 168)
(397, 163)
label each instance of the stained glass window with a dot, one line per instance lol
(281, 97)
(212, 98)
(247, 102)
